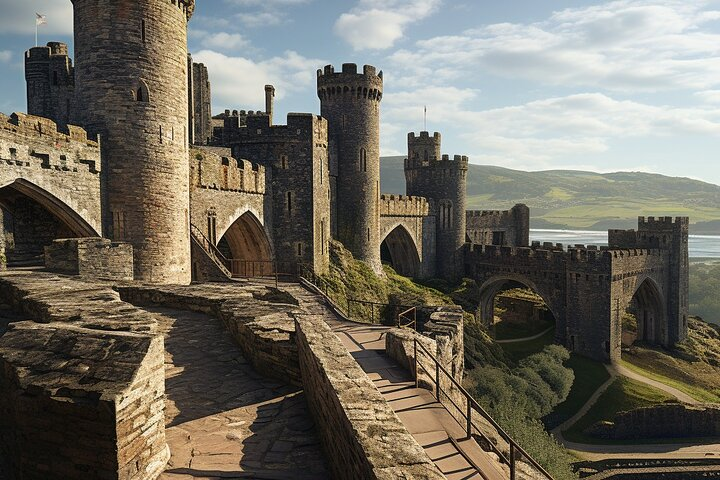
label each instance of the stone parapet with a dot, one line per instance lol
(257, 317)
(211, 171)
(91, 258)
(403, 206)
(363, 438)
(82, 386)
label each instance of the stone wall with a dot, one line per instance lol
(82, 390)
(200, 106)
(91, 258)
(298, 182)
(50, 81)
(362, 437)
(258, 318)
(663, 421)
(58, 169)
(442, 180)
(506, 227)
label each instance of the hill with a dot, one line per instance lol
(582, 200)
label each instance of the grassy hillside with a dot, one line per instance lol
(582, 200)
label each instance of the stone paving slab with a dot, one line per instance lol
(223, 420)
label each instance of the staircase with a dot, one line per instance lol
(212, 252)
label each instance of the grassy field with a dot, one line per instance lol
(589, 376)
(519, 350)
(622, 395)
(581, 200)
(652, 370)
(692, 367)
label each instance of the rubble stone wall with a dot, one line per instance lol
(91, 258)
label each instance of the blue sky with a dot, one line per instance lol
(602, 86)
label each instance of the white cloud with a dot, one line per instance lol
(624, 45)
(239, 81)
(18, 17)
(535, 134)
(264, 13)
(378, 24)
(5, 56)
(220, 40)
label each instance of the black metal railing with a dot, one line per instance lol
(514, 455)
(359, 310)
(408, 318)
(210, 248)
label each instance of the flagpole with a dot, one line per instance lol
(36, 32)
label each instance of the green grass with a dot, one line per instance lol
(698, 393)
(519, 350)
(589, 376)
(622, 395)
(505, 330)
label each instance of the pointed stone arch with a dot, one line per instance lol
(248, 246)
(647, 304)
(398, 248)
(491, 287)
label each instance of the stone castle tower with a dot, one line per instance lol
(132, 89)
(350, 101)
(50, 82)
(443, 182)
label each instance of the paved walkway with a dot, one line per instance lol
(223, 420)
(426, 419)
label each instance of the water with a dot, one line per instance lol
(701, 246)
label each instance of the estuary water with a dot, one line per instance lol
(701, 246)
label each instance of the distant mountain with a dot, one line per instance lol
(582, 200)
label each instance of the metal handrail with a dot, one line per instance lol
(211, 249)
(471, 404)
(346, 304)
(405, 321)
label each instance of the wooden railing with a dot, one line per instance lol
(515, 455)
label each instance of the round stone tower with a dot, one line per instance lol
(132, 89)
(442, 181)
(350, 102)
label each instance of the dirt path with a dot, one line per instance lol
(679, 395)
(526, 339)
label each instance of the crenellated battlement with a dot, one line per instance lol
(211, 171)
(487, 213)
(412, 136)
(187, 6)
(35, 142)
(457, 162)
(259, 127)
(350, 83)
(39, 54)
(403, 206)
(661, 223)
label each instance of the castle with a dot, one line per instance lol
(122, 144)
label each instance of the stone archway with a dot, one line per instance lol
(32, 218)
(399, 250)
(493, 286)
(247, 246)
(646, 308)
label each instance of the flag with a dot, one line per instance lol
(40, 19)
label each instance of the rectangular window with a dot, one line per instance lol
(289, 202)
(299, 249)
(13, 153)
(322, 237)
(142, 31)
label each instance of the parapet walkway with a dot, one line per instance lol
(427, 420)
(224, 420)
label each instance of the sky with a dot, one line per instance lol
(626, 85)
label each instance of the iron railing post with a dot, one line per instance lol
(469, 418)
(437, 379)
(415, 352)
(512, 460)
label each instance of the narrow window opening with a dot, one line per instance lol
(13, 153)
(142, 31)
(140, 95)
(118, 225)
(299, 249)
(368, 234)
(322, 237)
(363, 160)
(284, 162)
(161, 134)
(289, 202)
